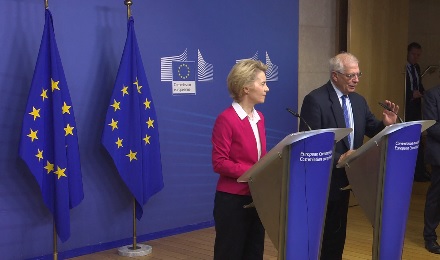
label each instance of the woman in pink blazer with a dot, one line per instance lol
(238, 142)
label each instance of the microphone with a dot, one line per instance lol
(389, 109)
(297, 115)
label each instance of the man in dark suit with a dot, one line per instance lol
(413, 102)
(431, 111)
(336, 105)
(414, 86)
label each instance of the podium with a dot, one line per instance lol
(289, 187)
(381, 176)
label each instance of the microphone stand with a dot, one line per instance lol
(389, 109)
(298, 116)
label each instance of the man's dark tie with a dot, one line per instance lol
(415, 82)
(346, 116)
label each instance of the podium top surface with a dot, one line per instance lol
(386, 131)
(298, 136)
(290, 139)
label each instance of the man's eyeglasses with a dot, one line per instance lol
(350, 76)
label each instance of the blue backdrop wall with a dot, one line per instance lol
(90, 37)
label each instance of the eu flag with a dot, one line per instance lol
(131, 133)
(49, 141)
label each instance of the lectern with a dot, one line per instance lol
(381, 175)
(289, 187)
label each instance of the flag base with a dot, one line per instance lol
(142, 250)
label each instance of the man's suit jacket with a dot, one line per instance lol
(431, 111)
(321, 109)
(413, 107)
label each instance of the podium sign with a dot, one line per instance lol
(399, 168)
(381, 175)
(311, 163)
(289, 187)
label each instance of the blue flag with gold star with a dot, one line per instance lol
(131, 133)
(49, 141)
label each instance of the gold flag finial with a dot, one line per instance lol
(46, 4)
(128, 3)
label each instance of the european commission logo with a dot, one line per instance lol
(182, 73)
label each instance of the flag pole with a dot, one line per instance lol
(128, 3)
(55, 238)
(134, 250)
(134, 225)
